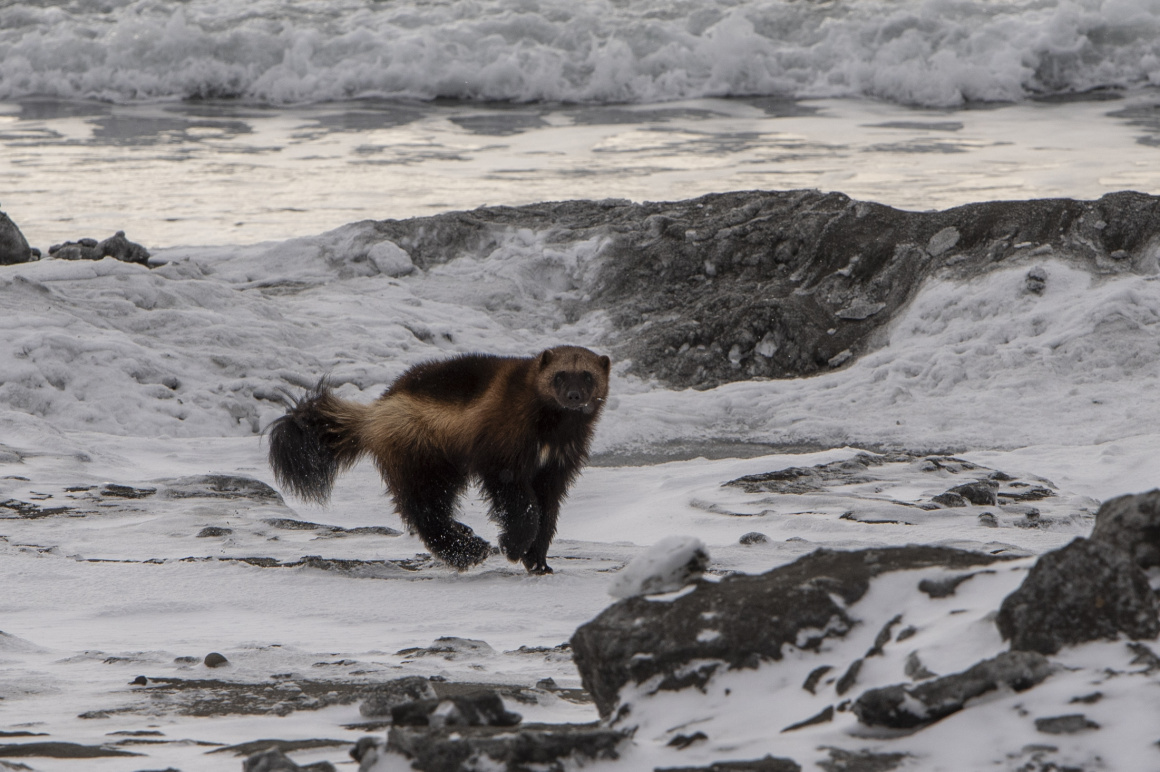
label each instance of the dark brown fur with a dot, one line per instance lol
(520, 426)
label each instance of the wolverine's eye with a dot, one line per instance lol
(558, 381)
(589, 381)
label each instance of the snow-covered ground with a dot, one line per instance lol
(119, 374)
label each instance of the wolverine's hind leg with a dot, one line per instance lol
(425, 492)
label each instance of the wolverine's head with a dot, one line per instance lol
(574, 378)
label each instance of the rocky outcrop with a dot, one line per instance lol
(735, 286)
(1085, 591)
(740, 622)
(14, 247)
(1132, 523)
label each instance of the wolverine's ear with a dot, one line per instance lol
(606, 363)
(545, 358)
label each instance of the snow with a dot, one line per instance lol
(665, 567)
(117, 373)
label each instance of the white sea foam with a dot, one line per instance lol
(933, 52)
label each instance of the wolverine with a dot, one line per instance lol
(520, 426)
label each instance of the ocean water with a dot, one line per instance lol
(213, 122)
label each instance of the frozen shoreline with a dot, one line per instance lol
(1052, 381)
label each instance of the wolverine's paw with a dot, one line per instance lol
(461, 548)
(537, 567)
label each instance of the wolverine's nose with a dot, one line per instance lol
(574, 397)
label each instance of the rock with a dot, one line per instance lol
(484, 708)
(220, 486)
(1132, 523)
(116, 246)
(981, 493)
(862, 761)
(390, 259)
(1036, 280)
(775, 284)
(213, 659)
(1069, 724)
(213, 530)
(669, 565)
(949, 500)
(272, 760)
(753, 537)
(1085, 591)
(450, 647)
(546, 748)
(740, 621)
(941, 588)
(14, 248)
(767, 764)
(124, 250)
(907, 706)
(381, 698)
(366, 752)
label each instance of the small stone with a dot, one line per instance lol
(754, 537)
(1069, 724)
(213, 530)
(942, 241)
(139, 681)
(213, 659)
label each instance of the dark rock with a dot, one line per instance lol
(124, 250)
(824, 717)
(942, 588)
(767, 764)
(754, 537)
(484, 708)
(116, 246)
(382, 698)
(1036, 280)
(450, 647)
(139, 681)
(1144, 656)
(272, 760)
(800, 604)
(213, 530)
(14, 248)
(59, 750)
(546, 748)
(682, 741)
(816, 675)
(1069, 724)
(117, 491)
(778, 284)
(861, 761)
(220, 486)
(981, 493)
(364, 747)
(906, 706)
(949, 500)
(213, 659)
(1132, 523)
(1085, 591)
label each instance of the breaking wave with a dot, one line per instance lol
(929, 52)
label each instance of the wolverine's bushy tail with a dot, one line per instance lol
(313, 442)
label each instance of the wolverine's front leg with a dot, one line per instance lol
(514, 508)
(549, 488)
